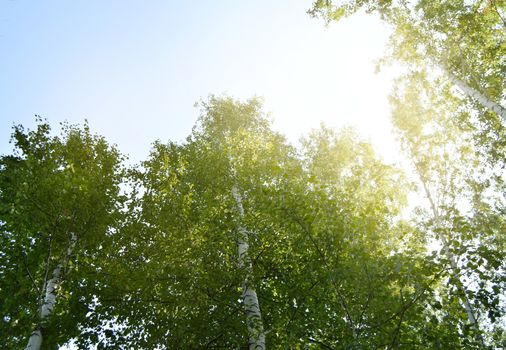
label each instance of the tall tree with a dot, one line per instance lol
(196, 238)
(464, 201)
(59, 197)
(377, 279)
(235, 212)
(455, 141)
(230, 239)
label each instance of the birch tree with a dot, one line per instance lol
(244, 244)
(58, 196)
(461, 41)
(377, 282)
(464, 201)
(231, 239)
(194, 218)
(464, 39)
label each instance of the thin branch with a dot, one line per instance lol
(25, 262)
(342, 301)
(494, 4)
(412, 302)
(208, 345)
(399, 323)
(46, 273)
(302, 299)
(312, 340)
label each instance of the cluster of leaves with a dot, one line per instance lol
(53, 189)
(149, 255)
(448, 115)
(333, 263)
(453, 39)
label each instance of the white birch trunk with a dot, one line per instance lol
(467, 305)
(35, 341)
(249, 295)
(453, 263)
(476, 95)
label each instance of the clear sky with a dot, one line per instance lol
(134, 69)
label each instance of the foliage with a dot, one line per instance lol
(452, 39)
(50, 188)
(332, 265)
(453, 51)
(333, 262)
(465, 201)
(150, 254)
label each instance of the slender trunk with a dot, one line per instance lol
(35, 341)
(476, 95)
(453, 262)
(249, 295)
(465, 300)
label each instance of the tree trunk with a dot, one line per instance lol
(249, 295)
(453, 263)
(35, 341)
(476, 95)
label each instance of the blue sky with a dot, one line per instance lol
(134, 69)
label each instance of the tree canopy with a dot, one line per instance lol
(235, 238)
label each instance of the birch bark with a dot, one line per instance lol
(249, 295)
(476, 95)
(35, 340)
(453, 263)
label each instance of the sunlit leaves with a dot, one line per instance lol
(53, 187)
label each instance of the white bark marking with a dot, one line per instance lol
(35, 340)
(476, 95)
(249, 295)
(465, 301)
(460, 286)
